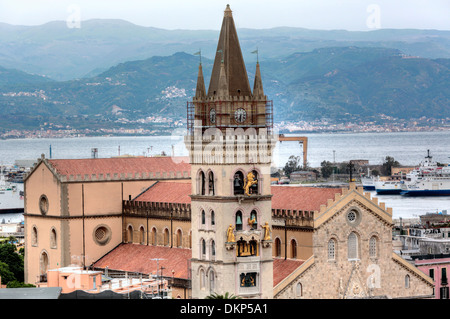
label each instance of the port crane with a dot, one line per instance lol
(301, 139)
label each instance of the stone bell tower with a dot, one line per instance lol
(230, 142)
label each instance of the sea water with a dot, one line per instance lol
(408, 148)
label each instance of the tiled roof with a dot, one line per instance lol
(167, 192)
(121, 165)
(283, 268)
(284, 197)
(138, 258)
(301, 198)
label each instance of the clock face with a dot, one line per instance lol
(240, 115)
(212, 116)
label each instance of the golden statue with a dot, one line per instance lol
(249, 182)
(266, 228)
(230, 234)
(251, 222)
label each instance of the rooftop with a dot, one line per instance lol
(301, 198)
(139, 258)
(167, 192)
(284, 197)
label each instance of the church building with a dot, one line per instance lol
(212, 221)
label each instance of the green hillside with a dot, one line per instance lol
(334, 83)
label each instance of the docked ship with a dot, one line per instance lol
(11, 197)
(428, 179)
(388, 187)
(368, 183)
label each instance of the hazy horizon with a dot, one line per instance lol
(348, 15)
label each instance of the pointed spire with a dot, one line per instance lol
(222, 90)
(229, 51)
(200, 91)
(258, 91)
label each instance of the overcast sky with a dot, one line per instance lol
(257, 14)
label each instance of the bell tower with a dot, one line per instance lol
(230, 141)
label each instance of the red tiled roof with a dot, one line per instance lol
(301, 198)
(284, 197)
(138, 258)
(120, 165)
(167, 192)
(283, 268)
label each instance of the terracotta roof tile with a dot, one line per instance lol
(119, 165)
(167, 192)
(284, 197)
(283, 268)
(138, 258)
(301, 198)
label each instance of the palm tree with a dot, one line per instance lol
(226, 296)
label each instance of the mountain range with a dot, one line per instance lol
(109, 69)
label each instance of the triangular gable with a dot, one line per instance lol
(348, 195)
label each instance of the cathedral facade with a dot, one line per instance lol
(213, 220)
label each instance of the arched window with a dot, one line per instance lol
(373, 247)
(34, 236)
(141, 235)
(211, 281)
(211, 184)
(238, 220)
(352, 246)
(202, 249)
(254, 189)
(203, 218)
(298, 290)
(213, 249)
(238, 183)
(293, 249)
(253, 221)
(179, 238)
(130, 233)
(332, 249)
(166, 237)
(53, 238)
(213, 220)
(201, 183)
(43, 266)
(407, 281)
(202, 279)
(277, 247)
(153, 236)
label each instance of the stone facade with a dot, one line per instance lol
(352, 252)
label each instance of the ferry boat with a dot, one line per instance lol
(11, 197)
(427, 180)
(368, 183)
(388, 187)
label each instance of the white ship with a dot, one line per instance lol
(368, 183)
(388, 187)
(11, 197)
(428, 179)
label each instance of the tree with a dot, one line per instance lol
(5, 273)
(17, 284)
(10, 256)
(389, 162)
(326, 169)
(292, 165)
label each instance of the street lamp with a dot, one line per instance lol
(157, 266)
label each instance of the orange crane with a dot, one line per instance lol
(300, 139)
